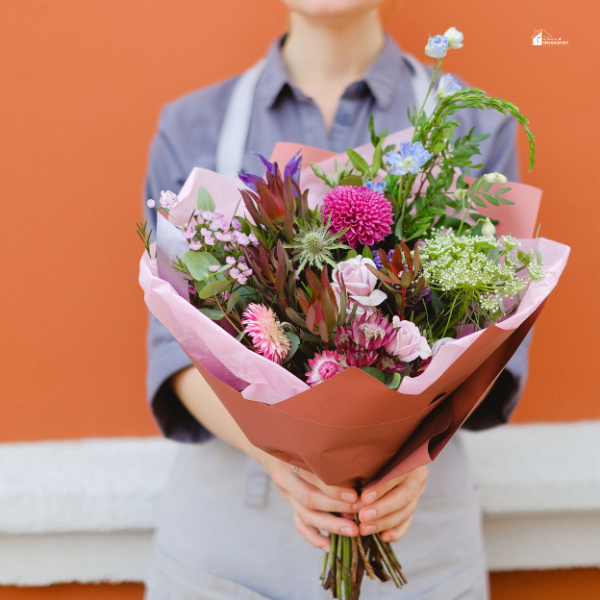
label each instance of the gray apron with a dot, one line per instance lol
(225, 533)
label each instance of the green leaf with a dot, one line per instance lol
(376, 160)
(294, 344)
(214, 288)
(211, 313)
(373, 372)
(504, 200)
(351, 254)
(360, 164)
(205, 200)
(355, 180)
(394, 384)
(233, 300)
(197, 264)
(366, 253)
(437, 147)
(491, 199)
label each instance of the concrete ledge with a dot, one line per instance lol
(84, 511)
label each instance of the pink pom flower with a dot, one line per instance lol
(267, 335)
(323, 366)
(365, 213)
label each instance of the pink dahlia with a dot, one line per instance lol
(323, 366)
(267, 335)
(365, 213)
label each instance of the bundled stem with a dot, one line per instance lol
(349, 558)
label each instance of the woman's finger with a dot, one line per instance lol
(346, 494)
(397, 498)
(324, 520)
(394, 534)
(310, 496)
(390, 521)
(372, 494)
(311, 534)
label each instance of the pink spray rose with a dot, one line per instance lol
(408, 343)
(360, 285)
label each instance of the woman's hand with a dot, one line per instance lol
(313, 502)
(388, 508)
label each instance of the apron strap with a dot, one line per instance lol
(420, 81)
(236, 123)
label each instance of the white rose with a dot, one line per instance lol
(359, 281)
(455, 38)
(495, 178)
(408, 343)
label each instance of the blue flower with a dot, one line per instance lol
(378, 186)
(447, 86)
(437, 46)
(292, 169)
(410, 159)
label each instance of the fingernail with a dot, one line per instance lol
(347, 530)
(369, 515)
(348, 496)
(369, 497)
(368, 529)
(357, 505)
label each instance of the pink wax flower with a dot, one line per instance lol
(236, 225)
(407, 343)
(151, 203)
(365, 213)
(323, 366)
(168, 200)
(195, 245)
(189, 232)
(267, 335)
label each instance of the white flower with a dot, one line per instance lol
(437, 46)
(359, 281)
(168, 200)
(460, 194)
(455, 38)
(151, 203)
(408, 343)
(447, 86)
(495, 178)
(488, 229)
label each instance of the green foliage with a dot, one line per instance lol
(198, 264)
(145, 237)
(205, 200)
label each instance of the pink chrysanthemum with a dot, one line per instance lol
(365, 213)
(323, 366)
(266, 332)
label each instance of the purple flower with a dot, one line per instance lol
(437, 46)
(292, 169)
(410, 159)
(378, 186)
(236, 225)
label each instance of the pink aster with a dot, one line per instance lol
(323, 366)
(365, 213)
(267, 335)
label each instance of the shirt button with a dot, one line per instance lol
(345, 118)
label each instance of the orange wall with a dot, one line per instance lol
(82, 84)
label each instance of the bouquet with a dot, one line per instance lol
(361, 308)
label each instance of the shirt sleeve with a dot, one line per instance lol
(499, 154)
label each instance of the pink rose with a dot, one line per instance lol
(360, 284)
(408, 343)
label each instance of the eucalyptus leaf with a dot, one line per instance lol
(214, 288)
(394, 384)
(233, 300)
(373, 372)
(198, 264)
(205, 200)
(211, 313)
(294, 344)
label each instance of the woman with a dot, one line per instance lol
(224, 531)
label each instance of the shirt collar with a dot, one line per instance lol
(383, 78)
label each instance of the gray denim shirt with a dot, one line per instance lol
(187, 137)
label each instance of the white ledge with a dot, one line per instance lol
(85, 510)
